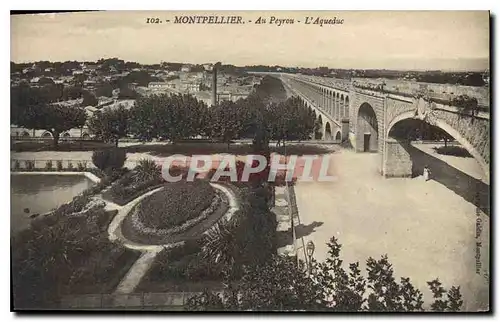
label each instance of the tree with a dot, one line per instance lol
(51, 117)
(111, 124)
(169, 117)
(443, 135)
(291, 120)
(52, 93)
(109, 159)
(104, 89)
(89, 99)
(128, 93)
(225, 123)
(279, 284)
(45, 81)
(22, 97)
(72, 92)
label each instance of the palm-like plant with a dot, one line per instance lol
(221, 243)
(147, 170)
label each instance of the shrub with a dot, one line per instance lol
(146, 170)
(66, 255)
(82, 165)
(59, 165)
(70, 166)
(466, 104)
(113, 158)
(30, 165)
(457, 151)
(17, 165)
(280, 284)
(190, 267)
(48, 165)
(122, 194)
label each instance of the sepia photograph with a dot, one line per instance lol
(229, 161)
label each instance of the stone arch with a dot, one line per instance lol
(328, 131)
(448, 129)
(46, 135)
(338, 136)
(366, 129)
(86, 136)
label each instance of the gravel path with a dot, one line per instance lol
(426, 229)
(149, 252)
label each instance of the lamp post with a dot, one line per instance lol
(309, 251)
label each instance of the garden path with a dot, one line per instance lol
(149, 252)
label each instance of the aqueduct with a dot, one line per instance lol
(366, 114)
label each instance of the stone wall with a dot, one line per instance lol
(345, 130)
(172, 301)
(398, 162)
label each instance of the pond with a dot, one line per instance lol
(40, 194)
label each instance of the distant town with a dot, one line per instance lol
(113, 82)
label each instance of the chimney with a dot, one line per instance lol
(214, 84)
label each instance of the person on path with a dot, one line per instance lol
(427, 173)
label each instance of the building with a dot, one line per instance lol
(205, 97)
(159, 88)
(231, 96)
(89, 67)
(158, 85)
(21, 133)
(190, 86)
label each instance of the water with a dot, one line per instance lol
(41, 194)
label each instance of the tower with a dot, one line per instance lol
(214, 83)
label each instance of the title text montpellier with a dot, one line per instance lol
(209, 19)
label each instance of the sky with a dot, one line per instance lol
(446, 40)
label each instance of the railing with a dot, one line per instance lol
(50, 139)
(58, 164)
(293, 212)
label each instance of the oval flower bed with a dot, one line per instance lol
(177, 208)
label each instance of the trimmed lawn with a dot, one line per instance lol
(176, 203)
(181, 211)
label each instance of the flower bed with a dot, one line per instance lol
(138, 223)
(176, 203)
(180, 211)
